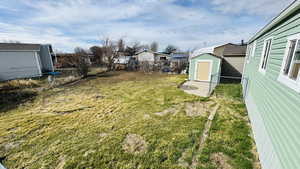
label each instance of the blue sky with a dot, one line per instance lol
(188, 24)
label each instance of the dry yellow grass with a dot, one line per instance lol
(87, 124)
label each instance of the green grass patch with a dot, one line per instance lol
(230, 132)
(84, 125)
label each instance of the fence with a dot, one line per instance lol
(214, 82)
(216, 79)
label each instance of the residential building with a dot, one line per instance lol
(233, 59)
(271, 86)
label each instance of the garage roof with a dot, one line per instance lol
(19, 47)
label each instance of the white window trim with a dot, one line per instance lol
(253, 49)
(210, 71)
(248, 52)
(263, 71)
(38, 63)
(284, 79)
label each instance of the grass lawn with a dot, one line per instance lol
(120, 120)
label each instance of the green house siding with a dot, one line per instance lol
(215, 64)
(277, 105)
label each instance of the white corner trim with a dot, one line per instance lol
(253, 49)
(196, 69)
(38, 63)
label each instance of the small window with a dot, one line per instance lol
(253, 49)
(290, 75)
(265, 55)
(292, 63)
(248, 53)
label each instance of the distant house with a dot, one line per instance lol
(145, 56)
(25, 60)
(161, 56)
(233, 59)
(121, 62)
(183, 56)
(66, 60)
(271, 85)
(63, 60)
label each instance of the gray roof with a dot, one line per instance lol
(19, 46)
(235, 50)
(231, 49)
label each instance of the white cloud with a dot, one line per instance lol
(27, 34)
(70, 23)
(257, 7)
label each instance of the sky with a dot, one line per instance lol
(187, 24)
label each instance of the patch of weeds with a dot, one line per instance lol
(229, 142)
(233, 91)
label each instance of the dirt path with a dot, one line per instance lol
(204, 136)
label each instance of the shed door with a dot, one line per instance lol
(203, 70)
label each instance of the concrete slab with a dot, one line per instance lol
(196, 88)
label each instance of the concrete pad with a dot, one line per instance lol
(196, 88)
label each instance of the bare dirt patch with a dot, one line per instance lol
(221, 161)
(172, 110)
(197, 108)
(134, 144)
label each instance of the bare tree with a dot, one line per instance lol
(121, 45)
(81, 61)
(136, 47)
(98, 54)
(110, 52)
(170, 49)
(154, 46)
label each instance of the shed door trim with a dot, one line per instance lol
(210, 71)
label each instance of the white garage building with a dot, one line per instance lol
(25, 60)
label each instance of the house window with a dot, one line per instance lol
(291, 64)
(253, 49)
(265, 55)
(292, 61)
(248, 54)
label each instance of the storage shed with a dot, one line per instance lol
(204, 66)
(24, 60)
(204, 73)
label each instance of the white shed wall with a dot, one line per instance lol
(21, 64)
(146, 57)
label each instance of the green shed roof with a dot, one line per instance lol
(207, 54)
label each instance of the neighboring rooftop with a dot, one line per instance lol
(235, 50)
(19, 46)
(231, 49)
